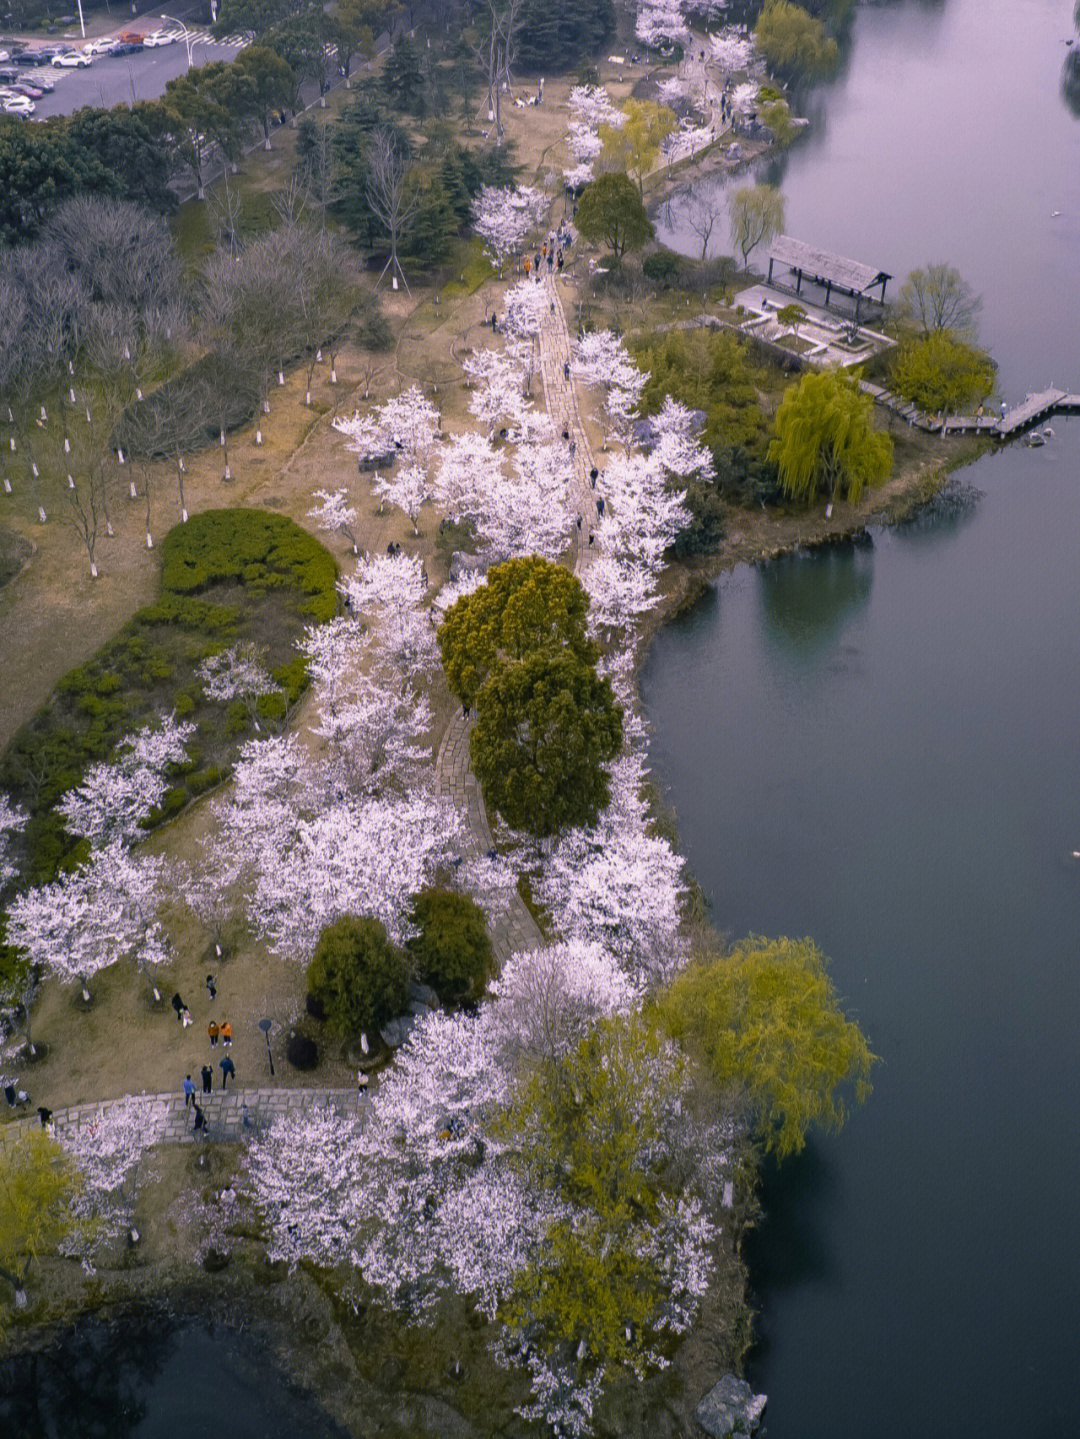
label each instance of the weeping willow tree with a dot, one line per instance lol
(765, 1021)
(825, 440)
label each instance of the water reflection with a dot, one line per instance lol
(1070, 81)
(808, 600)
(141, 1377)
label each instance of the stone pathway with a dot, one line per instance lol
(516, 930)
(230, 1113)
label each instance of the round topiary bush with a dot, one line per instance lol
(359, 977)
(315, 1007)
(301, 1050)
(452, 952)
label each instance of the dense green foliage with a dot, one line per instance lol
(98, 152)
(546, 727)
(228, 577)
(712, 371)
(611, 212)
(825, 439)
(592, 1126)
(556, 35)
(766, 1022)
(941, 373)
(38, 1182)
(452, 951)
(359, 977)
(796, 45)
(528, 604)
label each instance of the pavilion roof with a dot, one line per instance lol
(821, 265)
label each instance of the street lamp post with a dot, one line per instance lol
(189, 39)
(264, 1025)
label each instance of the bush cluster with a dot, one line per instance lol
(228, 576)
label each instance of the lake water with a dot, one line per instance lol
(880, 747)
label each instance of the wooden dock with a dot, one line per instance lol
(1034, 410)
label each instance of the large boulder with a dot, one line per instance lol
(731, 1407)
(462, 564)
(397, 1031)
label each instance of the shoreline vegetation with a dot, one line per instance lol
(203, 1227)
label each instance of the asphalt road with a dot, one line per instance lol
(115, 80)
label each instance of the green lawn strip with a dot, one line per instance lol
(228, 577)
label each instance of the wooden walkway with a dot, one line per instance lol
(1033, 411)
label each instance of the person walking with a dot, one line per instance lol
(527, 266)
(227, 1068)
(594, 475)
(189, 1091)
(207, 1079)
(600, 506)
(178, 1005)
(211, 987)
(185, 1017)
(213, 1031)
(559, 261)
(200, 1119)
(226, 1033)
(566, 369)
(45, 1115)
(494, 321)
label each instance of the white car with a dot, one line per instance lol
(100, 47)
(158, 37)
(17, 105)
(71, 59)
(4, 56)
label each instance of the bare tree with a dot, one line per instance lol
(702, 213)
(939, 298)
(389, 193)
(497, 53)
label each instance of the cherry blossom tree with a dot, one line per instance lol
(117, 795)
(498, 398)
(732, 49)
(619, 885)
(527, 307)
(503, 218)
(407, 426)
(602, 359)
(12, 820)
(547, 998)
(336, 515)
(678, 447)
(592, 105)
(210, 886)
(660, 23)
(108, 1148)
(237, 673)
(88, 919)
(390, 591)
(407, 489)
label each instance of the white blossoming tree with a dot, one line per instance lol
(90, 918)
(117, 795)
(660, 23)
(237, 673)
(335, 515)
(503, 217)
(12, 821)
(109, 1150)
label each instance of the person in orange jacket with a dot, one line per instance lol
(226, 1034)
(213, 1031)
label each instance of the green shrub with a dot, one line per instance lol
(662, 267)
(360, 978)
(452, 952)
(227, 576)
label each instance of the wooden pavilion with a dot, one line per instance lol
(833, 272)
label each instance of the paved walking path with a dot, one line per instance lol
(516, 930)
(230, 1113)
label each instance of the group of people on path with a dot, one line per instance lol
(214, 1031)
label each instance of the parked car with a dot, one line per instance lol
(126, 47)
(100, 47)
(72, 59)
(7, 75)
(24, 87)
(17, 105)
(159, 37)
(130, 37)
(34, 57)
(4, 56)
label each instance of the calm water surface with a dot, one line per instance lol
(882, 750)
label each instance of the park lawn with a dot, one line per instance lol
(228, 577)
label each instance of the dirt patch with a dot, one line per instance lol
(15, 552)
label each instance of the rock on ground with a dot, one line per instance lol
(730, 1407)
